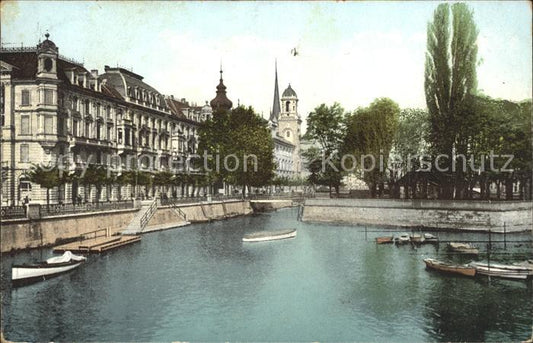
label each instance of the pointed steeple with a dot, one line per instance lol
(221, 101)
(274, 115)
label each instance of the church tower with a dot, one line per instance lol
(289, 123)
(221, 101)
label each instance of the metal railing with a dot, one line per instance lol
(173, 201)
(59, 209)
(12, 212)
(179, 211)
(148, 215)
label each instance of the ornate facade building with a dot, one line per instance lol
(55, 110)
(285, 123)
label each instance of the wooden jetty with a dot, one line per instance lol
(97, 244)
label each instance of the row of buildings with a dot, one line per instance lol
(54, 109)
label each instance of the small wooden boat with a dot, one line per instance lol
(463, 248)
(263, 236)
(504, 271)
(450, 268)
(384, 240)
(24, 274)
(415, 238)
(402, 238)
(429, 238)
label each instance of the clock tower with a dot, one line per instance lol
(289, 123)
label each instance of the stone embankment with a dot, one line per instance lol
(202, 212)
(270, 205)
(512, 216)
(31, 233)
(25, 233)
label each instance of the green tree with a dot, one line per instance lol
(45, 177)
(410, 145)
(450, 78)
(503, 128)
(326, 126)
(243, 134)
(95, 175)
(124, 179)
(370, 133)
(162, 180)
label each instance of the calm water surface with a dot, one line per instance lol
(201, 283)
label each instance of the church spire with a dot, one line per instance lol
(274, 115)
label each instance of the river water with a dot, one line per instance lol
(330, 283)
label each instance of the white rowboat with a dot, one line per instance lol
(263, 236)
(23, 274)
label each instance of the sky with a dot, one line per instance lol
(348, 52)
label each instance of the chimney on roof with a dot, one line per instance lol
(172, 97)
(183, 100)
(94, 73)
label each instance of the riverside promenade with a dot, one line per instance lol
(40, 226)
(496, 216)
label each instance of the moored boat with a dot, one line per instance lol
(450, 268)
(416, 238)
(429, 238)
(24, 274)
(463, 248)
(403, 238)
(263, 236)
(504, 271)
(384, 240)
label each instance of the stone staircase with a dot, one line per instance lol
(141, 219)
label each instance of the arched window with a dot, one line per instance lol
(287, 106)
(288, 134)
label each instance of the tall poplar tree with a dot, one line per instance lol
(450, 78)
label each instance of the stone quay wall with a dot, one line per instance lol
(270, 205)
(512, 216)
(25, 233)
(216, 210)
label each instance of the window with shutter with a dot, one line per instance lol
(25, 125)
(48, 97)
(25, 101)
(48, 125)
(24, 153)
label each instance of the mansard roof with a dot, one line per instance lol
(121, 79)
(25, 62)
